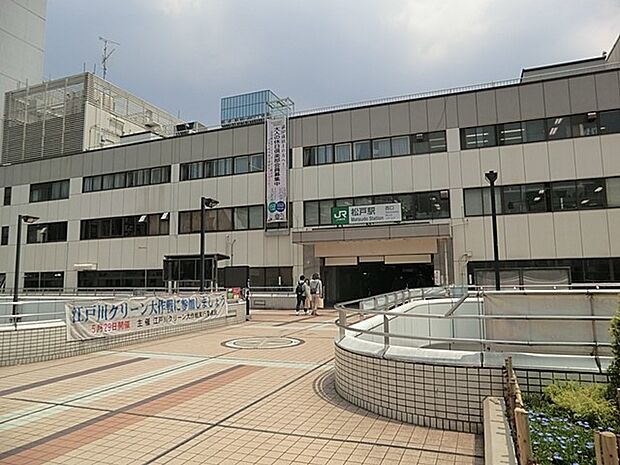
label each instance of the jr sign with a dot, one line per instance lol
(363, 214)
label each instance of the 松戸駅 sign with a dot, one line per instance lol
(362, 214)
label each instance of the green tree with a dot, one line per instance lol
(614, 368)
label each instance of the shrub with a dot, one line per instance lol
(583, 402)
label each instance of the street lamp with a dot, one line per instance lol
(205, 202)
(492, 177)
(26, 219)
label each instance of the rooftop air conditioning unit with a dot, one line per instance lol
(185, 128)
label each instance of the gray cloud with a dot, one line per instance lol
(183, 55)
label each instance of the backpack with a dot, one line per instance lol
(299, 290)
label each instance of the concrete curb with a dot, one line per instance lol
(498, 446)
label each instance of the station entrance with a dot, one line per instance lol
(343, 283)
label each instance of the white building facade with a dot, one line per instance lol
(110, 217)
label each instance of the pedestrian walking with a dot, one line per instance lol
(300, 292)
(316, 293)
(308, 301)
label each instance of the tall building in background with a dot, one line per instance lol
(22, 44)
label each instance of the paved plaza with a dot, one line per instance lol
(194, 399)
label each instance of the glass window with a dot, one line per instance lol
(153, 225)
(222, 167)
(400, 146)
(613, 195)
(584, 124)
(196, 170)
(210, 220)
(591, 193)
(534, 130)
(97, 183)
(256, 162)
(156, 176)
(407, 206)
(361, 150)
(343, 153)
(513, 201)
(429, 205)
(558, 128)
(241, 219)
(87, 185)
(324, 154)
(420, 143)
(473, 202)
(536, 198)
(309, 156)
(482, 136)
(362, 201)
(437, 142)
(598, 270)
(116, 227)
(510, 133)
(107, 182)
(119, 180)
(4, 237)
(381, 148)
(241, 165)
(224, 219)
(486, 200)
(325, 211)
(609, 122)
(165, 174)
(344, 202)
(257, 217)
(311, 213)
(185, 222)
(563, 196)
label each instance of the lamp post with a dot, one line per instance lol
(26, 219)
(492, 177)
(205, 202)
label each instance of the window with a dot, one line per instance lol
(482, 136)
(400, 146)
(257, 217)
(309, 156)
(513, 201)
(613, 194)
(221, 167)
(241, 165)
(49, 191)
(324, 154)
(609, 122)
(343, 153)
(536, 198)
(473, 202)
(591, 193)
(7, 195)
(420, 143)
(564, 196)
(155, 224)
(429, 205)
(224, 219)
(534, 130)
(584, 124)
(558, 128)
(46, 232)
(437, 141)
(361, 150)
(44, 280)
(4, 236)
(311, 213)
(510, 133)
(325, 211)
(120, 180)
(256, 162)
(381, 148)
(241, 219)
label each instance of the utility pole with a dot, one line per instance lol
(106, 55)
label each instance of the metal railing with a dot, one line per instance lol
(373, 320)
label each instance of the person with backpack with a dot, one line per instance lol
(316, 293)
(300, 292)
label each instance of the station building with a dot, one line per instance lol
(128, 214)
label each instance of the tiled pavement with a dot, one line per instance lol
(191, 400)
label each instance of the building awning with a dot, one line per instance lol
(357, 233)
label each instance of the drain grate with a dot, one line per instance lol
(263, 342)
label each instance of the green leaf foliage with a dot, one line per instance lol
(614, 368)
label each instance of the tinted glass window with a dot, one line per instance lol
(536, 197)
(437, 141)
(311, 213)
(343, 152)
(241, 165)
(420, 143)
(609, 121)
(473, 202)
(381, 148)
(309, 156)
(7, 196)
(584, 124)
(613, 196)
(361, 150)
(534, 130)
(324, 154)
(513, 201)
(400, 146)
(257, 217)
(510, 133)
(325, 211)
(4, 237)
(591, 193)
(241, 218)
(558, 128)
(256, 162)
(563, 196)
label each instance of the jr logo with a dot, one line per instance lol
(341, 215)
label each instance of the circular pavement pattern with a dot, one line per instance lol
(262, 342)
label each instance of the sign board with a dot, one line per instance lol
(276, 171)
(363, 214)
(105, 318)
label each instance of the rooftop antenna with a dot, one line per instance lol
(106, 54)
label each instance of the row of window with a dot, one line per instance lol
(416, 206)
(46, 232)
(156, 224)
(134, 178)
(428, 142)
(7, 196)
(44, 280)
(537, 130)
(583, 194)
(45, 191)
(222, 167)
(223, 219)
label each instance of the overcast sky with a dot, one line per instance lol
(184, 55)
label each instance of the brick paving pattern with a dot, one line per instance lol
(190, 400)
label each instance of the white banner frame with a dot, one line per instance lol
(276, 171)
